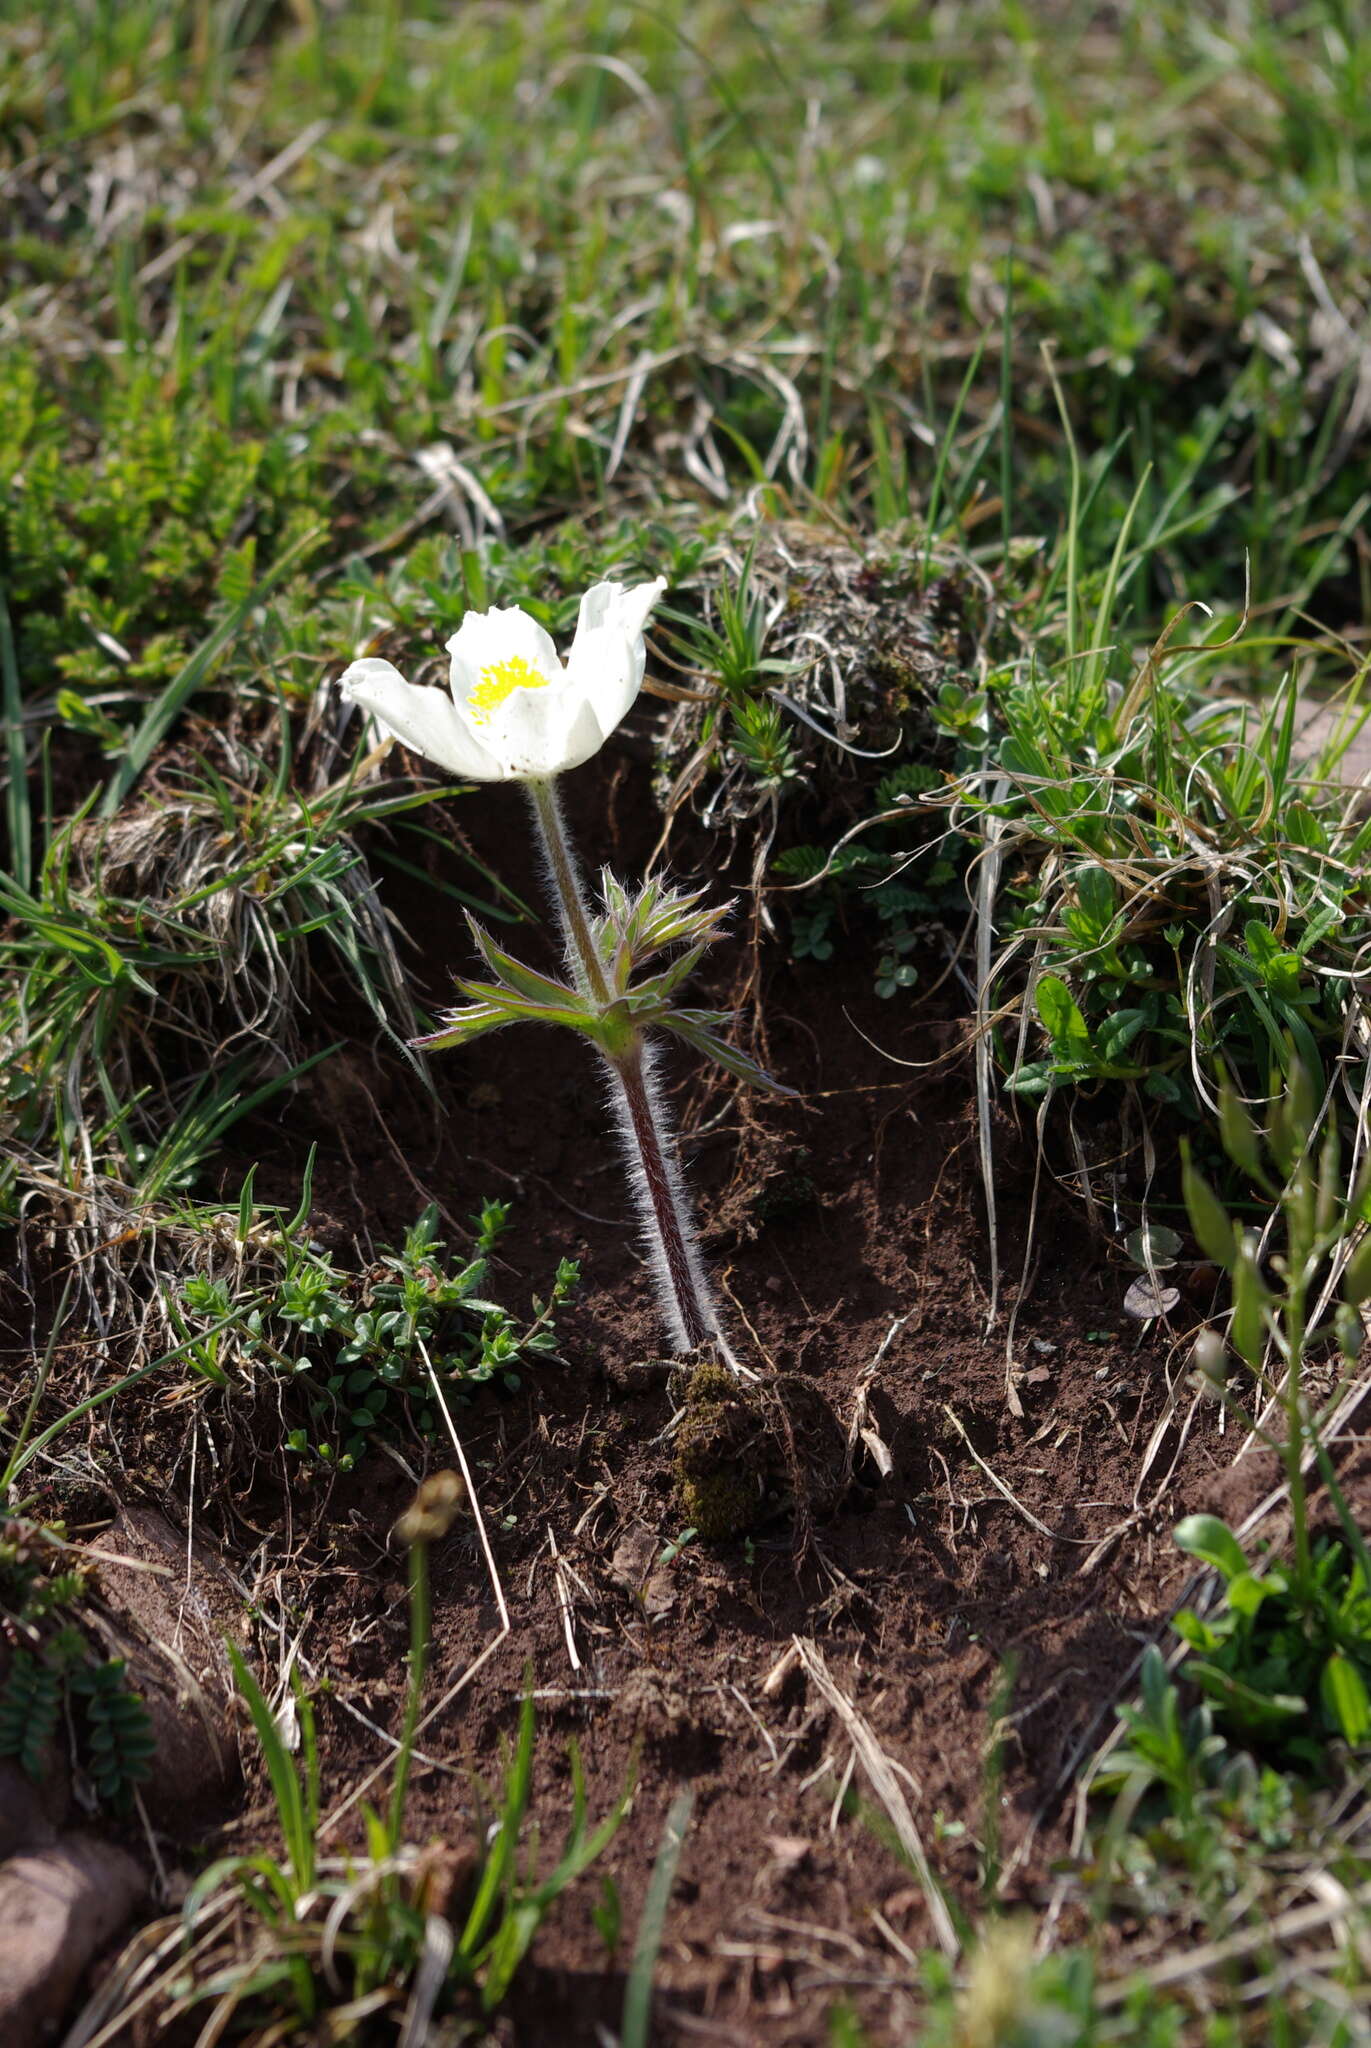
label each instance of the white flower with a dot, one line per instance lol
(514, 711)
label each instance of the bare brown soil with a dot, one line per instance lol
(967, 1605)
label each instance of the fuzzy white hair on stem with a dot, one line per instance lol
(654, 1173)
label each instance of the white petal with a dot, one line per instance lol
(618, 604)
(596, 606)
(606, 672)
(584, 737)
(424, 719)
(528, 733)
(608, 655)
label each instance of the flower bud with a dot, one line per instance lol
(432, 1512)
(1209, 1363)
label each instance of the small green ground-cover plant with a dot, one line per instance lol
(1188, 1799)
(111, 556)
(1187, 895)
(361, 1356)
(1286, 1655)
(1006, 1997)
(1198, 1844)
(53, 1682)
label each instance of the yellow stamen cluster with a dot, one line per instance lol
(501, 680)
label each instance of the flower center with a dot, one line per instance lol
(501, 680)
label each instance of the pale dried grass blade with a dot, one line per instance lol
(885, 1783)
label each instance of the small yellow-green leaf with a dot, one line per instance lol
(1356, 1280)
(1061, 1018)
(1249, 1305)
(1206, 1537)
(1345, 1698)
(1239, 1133)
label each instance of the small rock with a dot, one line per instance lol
(59, 1906)
(788, 1850)
(170, 1618)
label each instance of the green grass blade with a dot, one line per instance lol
(296, 1828)
(499, 1862)
(637, 2016)
(1007, 410)
(17, 815)
(935, 494)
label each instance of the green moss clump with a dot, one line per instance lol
(747, 1451)
(719, 1506)
(723, 1455)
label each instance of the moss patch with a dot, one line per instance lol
(746, 1452)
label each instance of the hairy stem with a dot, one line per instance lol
(560, 855)
(676, 1260)
(652, 1165)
